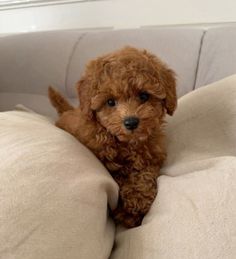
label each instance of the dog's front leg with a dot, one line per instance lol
(137, 194)
(139, 191)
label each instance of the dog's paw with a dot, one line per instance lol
(122, 217)
(137, 203)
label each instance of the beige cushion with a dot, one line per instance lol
(218, 55)
(53, 193)
(30, 62)
(194, 215)
(178, 47)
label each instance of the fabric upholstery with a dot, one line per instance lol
(37, 102)
(178, 47)
(53, 193)
(194, 214)
(31, 62)
(218, 55)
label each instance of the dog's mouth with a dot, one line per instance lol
(131, 133)
(132, 136)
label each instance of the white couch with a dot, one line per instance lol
(54, 192)
(31, 62)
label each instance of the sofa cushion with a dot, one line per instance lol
(31, 62)
(218, 55)
(53, 193)
(194, 214)
(176, 46)
(39, 103)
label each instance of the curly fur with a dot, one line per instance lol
(133, 157)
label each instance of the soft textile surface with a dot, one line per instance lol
(218, 55)
(170, 44)
(53, 193)
(194, 215)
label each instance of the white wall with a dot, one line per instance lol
(117, 14)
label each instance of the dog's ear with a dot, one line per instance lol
(86, 92)
(167, 77)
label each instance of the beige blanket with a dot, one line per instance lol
(194, 215)
(54, 192)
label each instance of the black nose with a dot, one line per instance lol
(131, 123)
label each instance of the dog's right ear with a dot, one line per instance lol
(85, 92)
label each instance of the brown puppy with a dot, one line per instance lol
(124, 97)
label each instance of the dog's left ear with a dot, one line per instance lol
(167, 77)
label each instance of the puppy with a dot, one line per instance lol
(124, 97)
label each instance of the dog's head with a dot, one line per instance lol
(128, 92)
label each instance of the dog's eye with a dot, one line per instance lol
(111, 102)
(144, 96)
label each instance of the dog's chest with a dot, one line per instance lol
(127, 157)
(134, 156)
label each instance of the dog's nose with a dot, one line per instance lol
(131, 123)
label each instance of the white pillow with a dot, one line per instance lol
(194, 214)
(53, 193)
